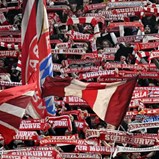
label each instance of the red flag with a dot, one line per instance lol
(36, 52)
(108, 100)
(13, 104)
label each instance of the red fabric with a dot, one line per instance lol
(14, 92)
(18, 101)
(35, 47)
(92, 93)
(26, 48)
(7, 134)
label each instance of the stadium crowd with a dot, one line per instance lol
(93, 41)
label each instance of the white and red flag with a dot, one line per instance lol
(13, 103)
(108, 100)
(36, 53)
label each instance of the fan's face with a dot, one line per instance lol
(147, 29)
(105, 44)
(74, 7)
(85, 2)
(1, 63)
(79, 12)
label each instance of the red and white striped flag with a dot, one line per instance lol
(108, 100)
(13, 102)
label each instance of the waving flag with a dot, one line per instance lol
(108, 100)
(13, 102)
(45, 56)
(36, 53)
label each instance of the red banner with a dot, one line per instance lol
(128, 139)
(131, 38)
(10, 32)
(81, 125)
(140, 94)
(150, 100)
(126, 4)
(26, 135)
(6, 27)
(80, 69)
(126, 24)
(10, 40)
(143, 46)
(68, 62)
(94, 149)
(122, 66)
(110, 79)
(62, 121)
(32, 154)
(74, 51)
(72, 100)
(81, 155)
(57, 67)
(143, 74)
(34, 125)
(121, 137)
(94, 6)
(154, 54)
(132, 10)
(150, 88)
(50, 140)
(144, 111)
(139, 126)
(105, 73)
(8, 53)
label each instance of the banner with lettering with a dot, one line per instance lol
(66, 141)
(70, 62)
(80, 69)
(106, 150)
(26, 135)
(10, 40)
(9, 53)
(72, 100)
(121, 137)
(34, 125)
(62, 121)
(102, 73)
(138, 126)
(33, 153)
(140, 94)
(81, 155)
(134, 150)
(73, 51)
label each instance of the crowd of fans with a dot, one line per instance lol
(88, 47)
